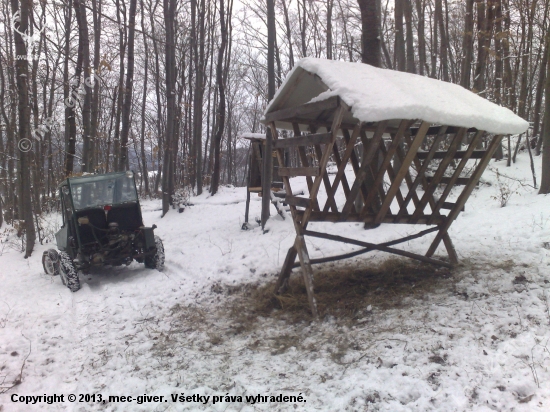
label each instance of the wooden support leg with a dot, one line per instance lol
(247, 208)
(466, 192)
(453, 257)
(282, 281)
(300, 246)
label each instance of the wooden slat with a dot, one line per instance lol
(361, 175)
(461, 201)
(421, 171)
(376, 247)
(306, 140)
(450, 206)
(341, 164)
(298, 201)
(433, 130)
(388, 155)
(339, 113)
(446, 180)
(411, 154)
(326, 180)
(305, 162)
(370, 218)
(429, 191)
(460, 154)
(453, 257)
(408, 178)
(258, 155)
(350, 146)
(455, 179)
(305, 109)
(298, 171)
(391, 174)
(369, 249)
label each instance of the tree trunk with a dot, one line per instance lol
(499, 70)
(329, 28)
(170, 67)
(434, 51)
(443, 44)
(23, 109)
(467, 45)
(525, 60)
(199, 97)
(94, 122)
(420, 8)
(411, 66)
(289, 35)
(121, 8)
(82, 74)
(400, 56)
(303, 25)
(144, 169)
(540, 91)
(123, 163)
(214, 186)
(545, 176)
(70, 121)
(370, 29)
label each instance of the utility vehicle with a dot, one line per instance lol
(102, 225)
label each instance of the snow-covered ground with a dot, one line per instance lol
(477, 339)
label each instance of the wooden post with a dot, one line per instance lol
(300, 246)
(267, 176)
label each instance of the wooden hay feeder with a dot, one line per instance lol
(408, 125)
(255, 180)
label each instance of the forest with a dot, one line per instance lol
(167, 88)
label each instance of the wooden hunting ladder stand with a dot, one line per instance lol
(398, 160)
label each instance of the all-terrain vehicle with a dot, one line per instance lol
(102, 225)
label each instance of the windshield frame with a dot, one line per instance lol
(75, 183)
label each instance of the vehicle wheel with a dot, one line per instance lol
(156, 261)
(50, 262)
(68, 273)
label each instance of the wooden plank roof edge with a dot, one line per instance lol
(366, 126)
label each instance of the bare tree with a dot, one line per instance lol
(221, 108)
(170, 67)
(128, 89)
(400, 57)
(22, 75)
(370, 25)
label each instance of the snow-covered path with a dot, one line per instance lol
(478, 340)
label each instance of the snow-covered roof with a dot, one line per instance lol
(252, 136)
(376, 94)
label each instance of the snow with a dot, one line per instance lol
(477, 341)
(253, 136)
(376, 94)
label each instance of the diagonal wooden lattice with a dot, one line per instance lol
(387, 176)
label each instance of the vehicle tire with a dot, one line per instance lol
(68, 273)
(50, 262)
(156, 261)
